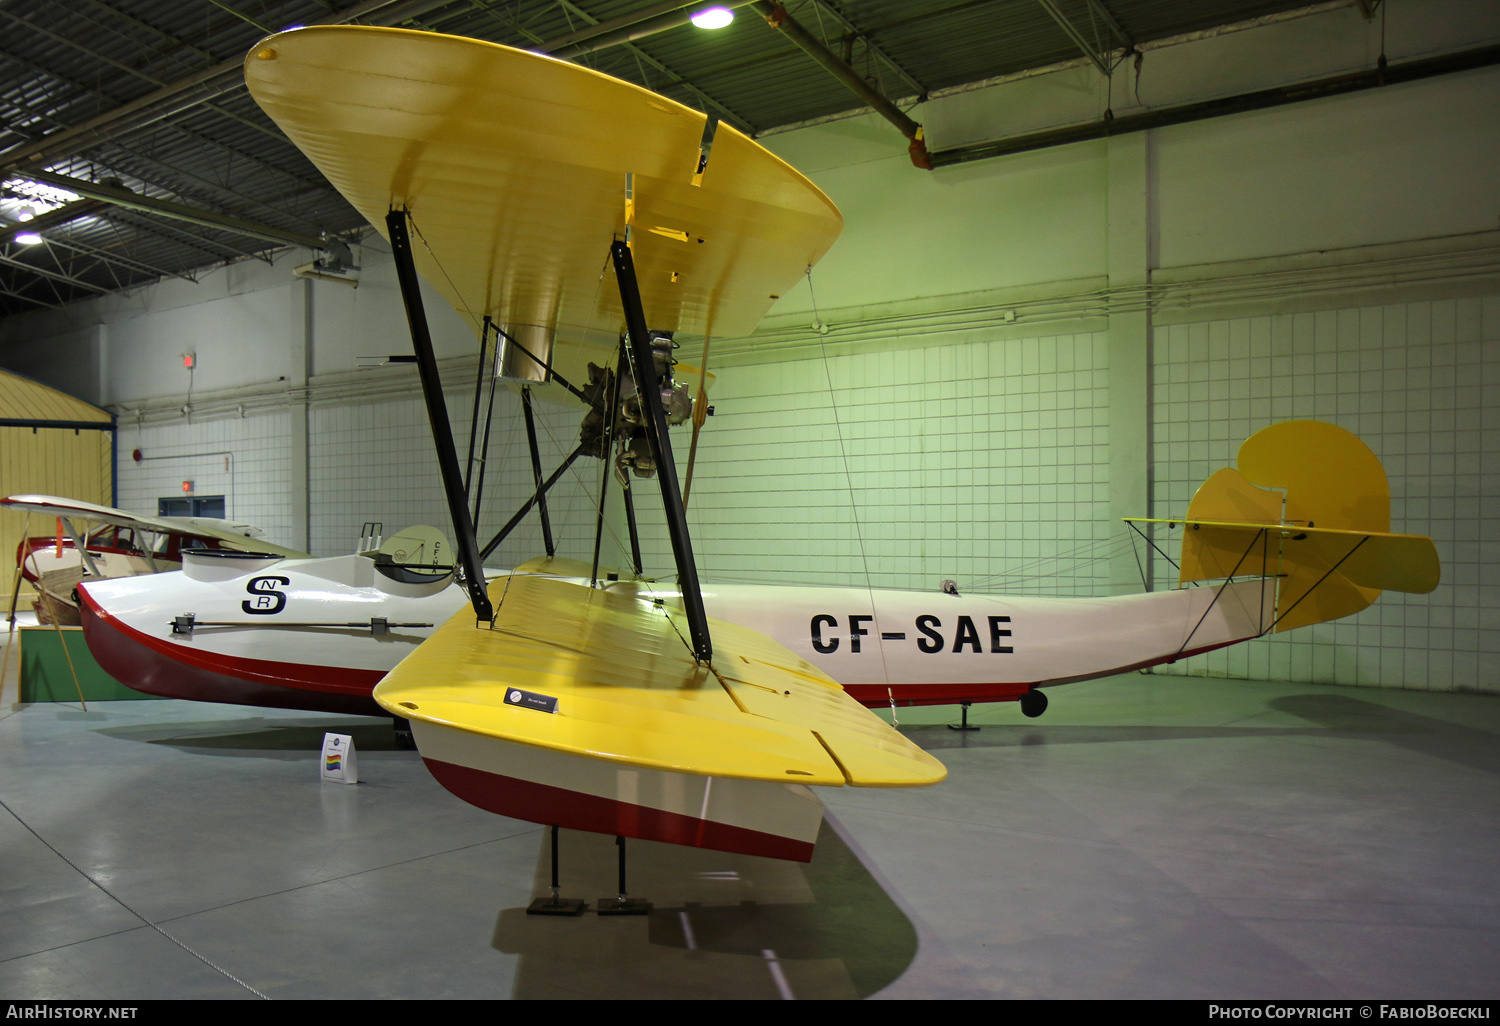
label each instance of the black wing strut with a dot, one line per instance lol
(471, 565)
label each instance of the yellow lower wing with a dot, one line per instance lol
(625, 688)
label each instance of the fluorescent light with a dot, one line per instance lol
(44, 196)
(712, 17)
(28, 238)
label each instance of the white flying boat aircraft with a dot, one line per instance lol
(692, 713)
(101, 542)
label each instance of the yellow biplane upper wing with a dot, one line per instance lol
(519, 170)
(627, 689)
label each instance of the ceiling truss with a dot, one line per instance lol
(136, 109)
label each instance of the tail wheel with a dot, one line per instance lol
(1033, 703)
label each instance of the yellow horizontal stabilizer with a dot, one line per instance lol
(627, 689)
(1385, 562)
(1310, 506)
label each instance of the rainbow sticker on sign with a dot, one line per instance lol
(340, 763)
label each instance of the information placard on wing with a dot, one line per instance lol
(514, 167)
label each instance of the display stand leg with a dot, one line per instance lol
(401, 730)
(965, 724)
(555, 905)
(623, 905)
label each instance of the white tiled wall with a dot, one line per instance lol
(981, 461)
(375, 462)
(245, 459)
(1418, 383)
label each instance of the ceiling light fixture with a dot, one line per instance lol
(712, 17)
(28, 238)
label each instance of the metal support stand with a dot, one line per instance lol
(437, 413)
(554, 905)
(402, 729)
(661, 450)
(623, 905)
(965, 724)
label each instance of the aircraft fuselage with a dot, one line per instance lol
(320, 633)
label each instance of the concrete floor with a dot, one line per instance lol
(1150, 836)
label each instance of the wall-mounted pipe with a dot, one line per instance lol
(1409, 71)
(777, 17)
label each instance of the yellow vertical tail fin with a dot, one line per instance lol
(1309, 504)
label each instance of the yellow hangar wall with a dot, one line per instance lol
(50, 444)
(996, 362)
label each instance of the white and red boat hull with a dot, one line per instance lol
(884, 647)
(752, 817)
(267, 657)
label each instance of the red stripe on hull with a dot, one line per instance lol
(543, 803)
(876, 696)
(154, 667)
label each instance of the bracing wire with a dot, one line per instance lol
(476, 320)
(610, 529)
(859, 536)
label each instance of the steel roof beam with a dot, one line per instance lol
(1337, 85)
(184, 93)
(1104, 14)
(1099, 58)
(54, 218)
(121, 196)
(623, 22)
(10, 261)
(189, 133)
(224, 189)
(871, 47)
(777, 17)
(12, 294)
(191, 239)
(627, 28)
(196, 136)
(114, 258)
(703, 98)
